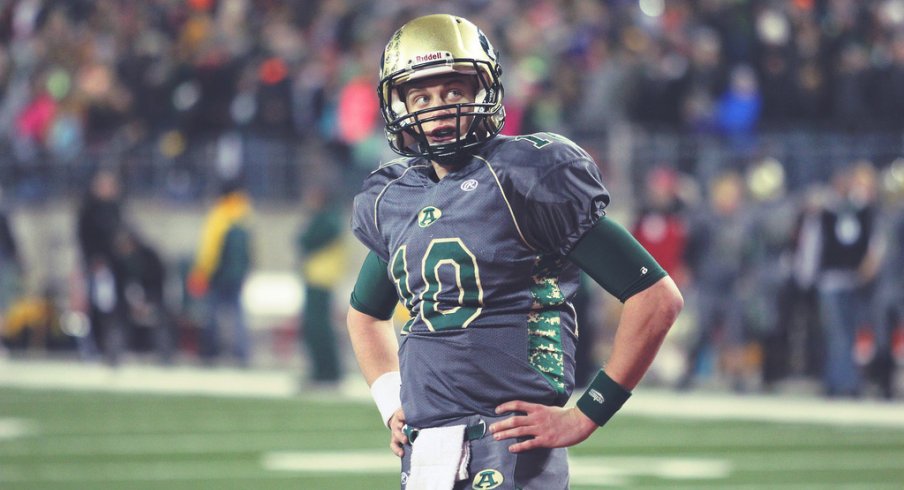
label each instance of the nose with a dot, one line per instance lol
(443, 107)
(441, 111)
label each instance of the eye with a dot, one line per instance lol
(455, 94)
(418, 100)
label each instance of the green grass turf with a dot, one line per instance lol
(101, 441)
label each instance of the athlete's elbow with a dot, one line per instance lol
(673, 308)
(667, 302)
(671, 302)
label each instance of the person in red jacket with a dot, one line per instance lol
(660, 226)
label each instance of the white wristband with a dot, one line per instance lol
(385, 392)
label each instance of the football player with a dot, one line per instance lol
(482, 238)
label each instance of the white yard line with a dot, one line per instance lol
(11, 428)
(131, 472)
(778, 408)
(584, 470)
(145, 379)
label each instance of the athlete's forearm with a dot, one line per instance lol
(645, 321)
(374, 343)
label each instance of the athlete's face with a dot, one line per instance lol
(441, 91)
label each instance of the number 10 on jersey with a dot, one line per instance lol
(442, 252)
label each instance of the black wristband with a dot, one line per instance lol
(602, 399)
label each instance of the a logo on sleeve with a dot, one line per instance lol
(428, 216)
(598, 207)
(469, 185)
(487, 479)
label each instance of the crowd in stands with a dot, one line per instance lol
(118, 83)
(80, 78)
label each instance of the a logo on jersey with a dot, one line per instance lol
(469, 185)
(598, 207)
(487, 479)
(428, 216)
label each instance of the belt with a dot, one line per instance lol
(472, 432)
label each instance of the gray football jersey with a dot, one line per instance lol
(478, 258)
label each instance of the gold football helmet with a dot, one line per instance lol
(439, 45)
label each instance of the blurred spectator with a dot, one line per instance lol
(33, 323)
(889, 99)
(321, 249)
(605, 87)
(10, 263)
(222, 263)
(773, 215)
(851, 89)
(659, 97)
(661, 224)
(738, 110)
(33, 123)
(718, 258)
(99, 219)
(794, 347)
(810, 79)
(142, 277)
(848, 268)
(707, 79)
(888, 306)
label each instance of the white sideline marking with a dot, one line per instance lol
(14, 428)
(284, 383)
(123, 472)
(785, 409)
(584, 470)
(330, 462)
(613, 470)
(147, 379)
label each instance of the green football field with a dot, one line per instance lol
(75, 439)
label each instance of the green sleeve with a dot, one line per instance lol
(614, 259)
(374, 293)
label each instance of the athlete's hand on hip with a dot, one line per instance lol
(548, 426)
(397, 439)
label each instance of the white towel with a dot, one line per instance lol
(439, 458)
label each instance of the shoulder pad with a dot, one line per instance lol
(387, 172)
(541, 150)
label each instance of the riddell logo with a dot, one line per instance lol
(429, 57)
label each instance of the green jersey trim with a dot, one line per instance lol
(544, 325)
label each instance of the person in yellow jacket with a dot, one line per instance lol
(322, 251)
(221, 265)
